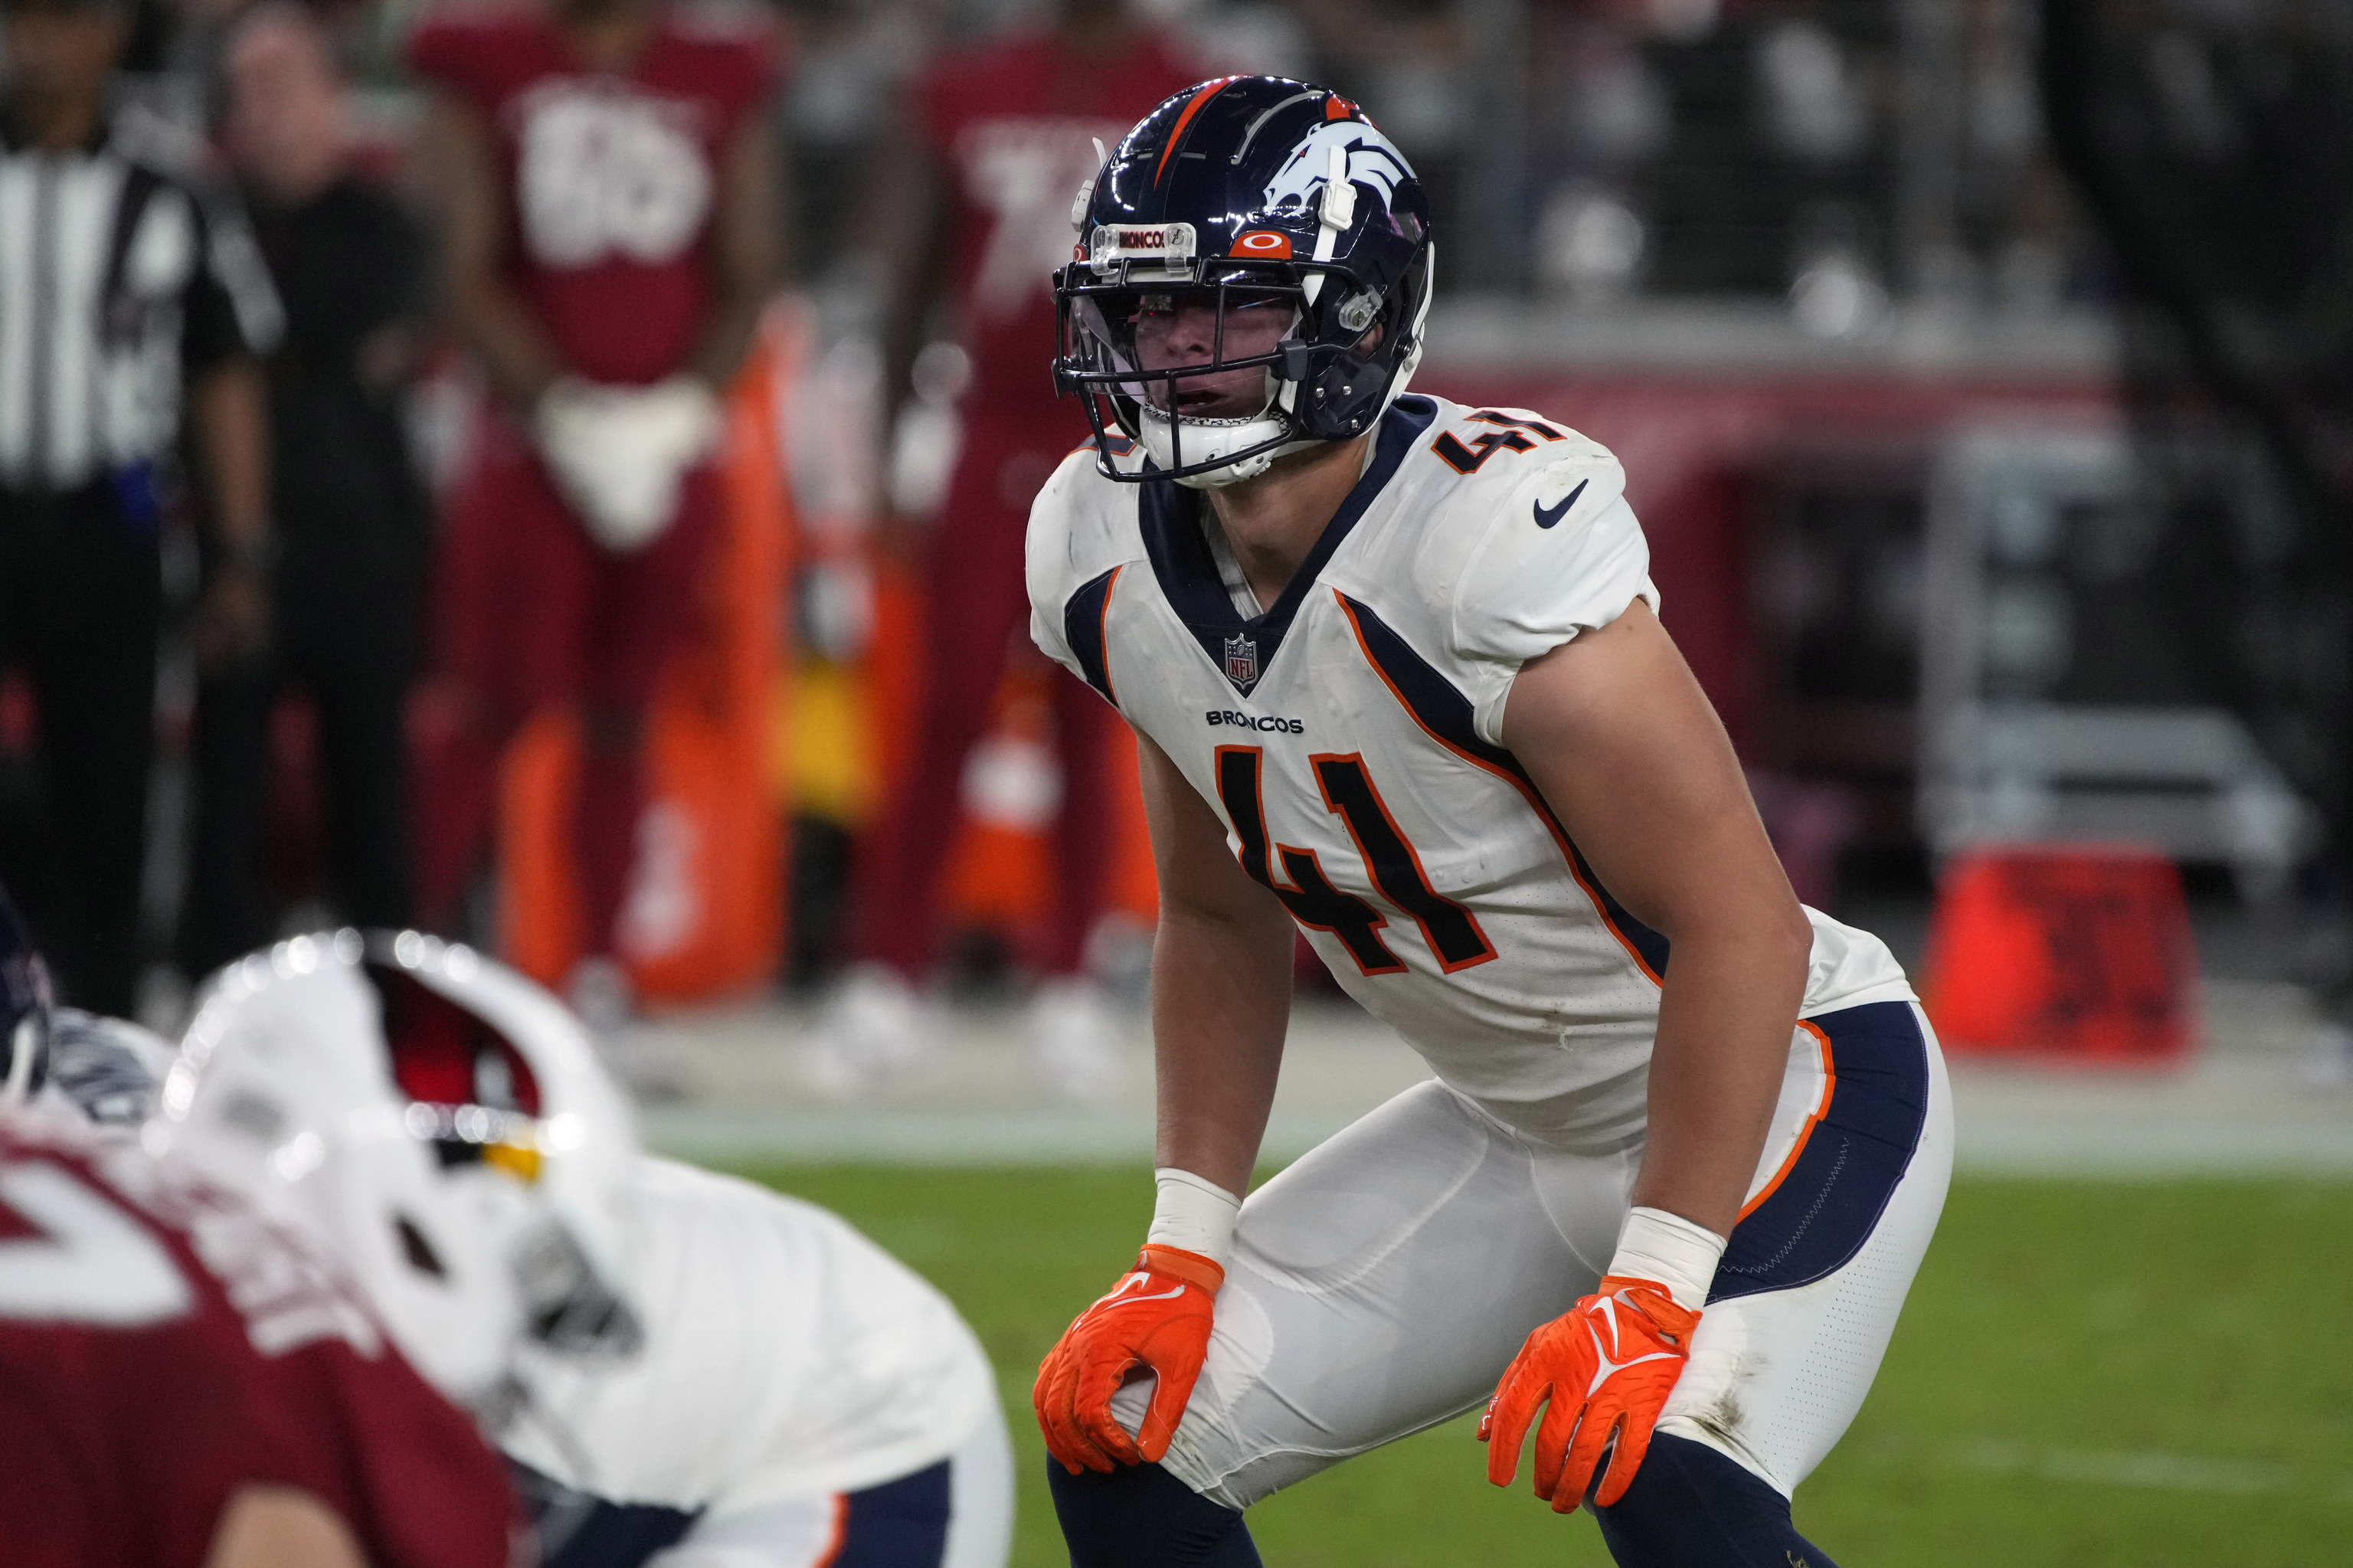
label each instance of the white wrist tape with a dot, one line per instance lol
(1679, 1255)
(1193, 1213)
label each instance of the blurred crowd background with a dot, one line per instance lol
(1980, 367)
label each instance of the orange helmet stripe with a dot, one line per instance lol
(1206, 90)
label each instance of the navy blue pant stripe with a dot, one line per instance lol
(899, 1524)
(1832, 1197)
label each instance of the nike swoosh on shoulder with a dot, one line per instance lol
(1548, 516)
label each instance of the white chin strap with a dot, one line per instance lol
(1206, 441)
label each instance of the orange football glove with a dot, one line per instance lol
(1157, 1316)
(1604, 1367)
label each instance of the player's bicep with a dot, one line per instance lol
(1199, 876)
(1626, 749)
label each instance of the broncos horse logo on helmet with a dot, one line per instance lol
(1245, 193)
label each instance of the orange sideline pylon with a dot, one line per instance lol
(2075, 950)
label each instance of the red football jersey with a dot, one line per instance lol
(612, 179)
(161, 1346)
(1013, 127)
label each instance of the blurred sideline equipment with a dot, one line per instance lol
(2079, 950)
(1237, 252)
(2056, 700)
(185, 1377)
(676, 1362)
(2227, 223)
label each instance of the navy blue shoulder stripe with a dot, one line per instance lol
(1826, 1201)
(1448, 716)
(1188, 573)
(1083, 629)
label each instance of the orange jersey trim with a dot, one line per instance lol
(840, 1532)
(1103, 631)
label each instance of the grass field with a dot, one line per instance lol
(2087, 1375)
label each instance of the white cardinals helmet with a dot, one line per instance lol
(440, 1124)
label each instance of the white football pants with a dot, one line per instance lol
(1382, 1284)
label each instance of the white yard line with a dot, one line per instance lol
(2149, 1472)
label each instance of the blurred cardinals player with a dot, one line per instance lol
(181, 1381)
(689, 1370)
(183, 1384)
(1399, 682)
(976, 205)
(610, 225)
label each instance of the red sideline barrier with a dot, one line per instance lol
(2075, 950)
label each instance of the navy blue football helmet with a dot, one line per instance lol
(1253, 192)
(26, 1003)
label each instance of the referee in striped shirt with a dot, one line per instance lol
(122, 303)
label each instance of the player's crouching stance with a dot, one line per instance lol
(1396, 675)
(683, 1369)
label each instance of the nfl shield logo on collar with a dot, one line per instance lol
(1242, 662)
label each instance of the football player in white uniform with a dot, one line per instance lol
(683, 1369)
(1396, 676)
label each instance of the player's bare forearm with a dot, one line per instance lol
(488, 319)
(1626, 749)
(907, 214)
(1220, 1006)
(1221, 986)
(746, 251)
(268, 1526)
(1731, 998)
(227, 406)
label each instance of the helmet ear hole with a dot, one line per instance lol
(417, 1249)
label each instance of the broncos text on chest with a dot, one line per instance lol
(1267, 724)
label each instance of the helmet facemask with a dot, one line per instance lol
(1159, 351)
(1242, 193)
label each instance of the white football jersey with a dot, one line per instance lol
(1349, 736)
(786, 1357)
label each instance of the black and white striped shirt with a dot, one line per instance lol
(117, 284)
